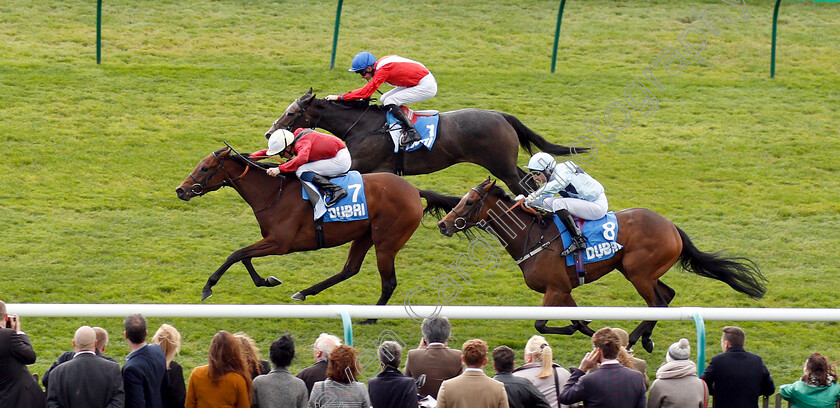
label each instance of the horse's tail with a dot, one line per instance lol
(739, 273)
(528, 138)
(438, 204)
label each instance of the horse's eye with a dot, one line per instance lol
(204, 169)
(470, 202)
(288, 113)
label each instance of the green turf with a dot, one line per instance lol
(93, 153)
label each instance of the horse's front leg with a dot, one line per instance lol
(560, 297)
(258, 249)
(271, 282)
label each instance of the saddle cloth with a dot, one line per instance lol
(426, 123)
(352, 207)
(600, 238)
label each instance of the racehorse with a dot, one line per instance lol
(651, 245)
(489, 139)
(287, 225)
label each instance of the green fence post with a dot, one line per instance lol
(557, 35)
(701, 342)
(773, 46)
(348, 325)
(335, 33)
(98, 31)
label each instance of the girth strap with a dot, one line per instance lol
(319, 232)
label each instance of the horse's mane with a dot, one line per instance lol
(246, 160)
(358, 104)
(496, 191)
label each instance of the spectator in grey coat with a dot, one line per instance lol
(677, 384)
(279, 388)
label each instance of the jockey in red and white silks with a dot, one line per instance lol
(412, 81)
(581, 195)
(313, 155)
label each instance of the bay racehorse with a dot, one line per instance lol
(286, 220)
(651, 245)
(487, 138)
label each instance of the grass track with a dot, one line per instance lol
(93, 153)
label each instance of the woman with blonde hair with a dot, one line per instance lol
(224, 381)
(626, 357)
(541, 371)
(252, 355)
(173, 391)
(340, 389)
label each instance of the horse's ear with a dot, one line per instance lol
(489, 185)
(307, 96)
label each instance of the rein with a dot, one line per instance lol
(344, 137)
(200, 189)
(461, 223)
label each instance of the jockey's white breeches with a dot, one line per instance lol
(328, 167)
(425, 89)
(586, 210)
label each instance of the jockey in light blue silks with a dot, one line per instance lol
(580, 195)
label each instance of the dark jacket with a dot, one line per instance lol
(520, 392)
(312, 374)
(143, 377)
(392, 389)
(17, 386)
(173, 391)
(86, 381)
(63, 358)
(736, 378)
(612, 386)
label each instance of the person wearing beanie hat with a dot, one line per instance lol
(677, 384)
(680, 350)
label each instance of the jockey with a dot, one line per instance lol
(412, 81)
(315, 155)
(581, 195)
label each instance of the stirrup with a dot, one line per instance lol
(576, 245)
(410, 137)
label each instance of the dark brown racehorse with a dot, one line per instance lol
(286, 220)
(489, 139)
(652, 244)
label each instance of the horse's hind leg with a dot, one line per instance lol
(257, 249)
(358, 250)
(662, 295)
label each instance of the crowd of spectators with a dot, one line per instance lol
(433, 375)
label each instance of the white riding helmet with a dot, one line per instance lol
(541, 161)
(279, 141)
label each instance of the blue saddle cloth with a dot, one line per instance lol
(352, 207)
(426, 125)
(600, 235)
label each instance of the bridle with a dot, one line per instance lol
(199, 188)
(290, 126)
(461, 222)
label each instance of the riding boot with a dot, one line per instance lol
(332, 192)
(411, 135)
(578, 241)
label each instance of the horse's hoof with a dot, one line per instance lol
(647, 344)
(205, 294)
(368, 321)
(272, 281)
(299, 296)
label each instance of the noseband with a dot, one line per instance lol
(200, 189)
